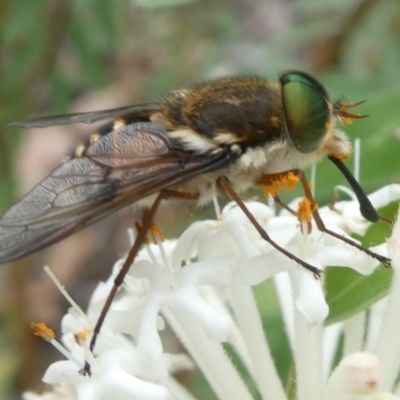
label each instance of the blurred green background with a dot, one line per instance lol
(83, 55)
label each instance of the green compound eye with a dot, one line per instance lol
(307, 112)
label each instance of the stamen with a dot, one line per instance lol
(271, 203)
(357, 159)
(40, 329)
(313, 179)
(70, 300)
(151, 254)
(82, 336)
(156, 234)
(158, 239)
(131, 235)
(216, 208)
(304, 214)
(346, 190)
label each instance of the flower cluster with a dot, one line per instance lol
(200, 285)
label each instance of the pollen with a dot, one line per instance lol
(41, 329)
(82, 336)
(272, 184)
(305, 211)
(156, 234)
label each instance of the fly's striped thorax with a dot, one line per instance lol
(246, 111)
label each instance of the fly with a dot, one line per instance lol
(220, 137)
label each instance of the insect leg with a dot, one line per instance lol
(321, 226)
(147, 221)
(176, 194)
(224, 184)
(283, 205)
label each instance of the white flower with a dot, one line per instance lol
(200, 285)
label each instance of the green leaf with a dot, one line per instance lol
(377, 233)
(348, 292)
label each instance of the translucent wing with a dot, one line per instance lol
(120, 168)
(135, 112)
